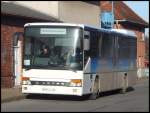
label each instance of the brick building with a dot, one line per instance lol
(14, 14)
(125, 18)
(10, 24)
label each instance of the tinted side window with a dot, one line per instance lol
(107, 43)
(132, 45)
(124, 50)
(94, 44)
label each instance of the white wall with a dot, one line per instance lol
(47, 7)
(66, 11)
(79, 12)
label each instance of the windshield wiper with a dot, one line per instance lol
(27, 67)
(53, 65)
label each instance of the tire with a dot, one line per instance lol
(123, 91)
(95, 92)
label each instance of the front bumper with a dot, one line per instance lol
(42, 89)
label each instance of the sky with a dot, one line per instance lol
(141, 8)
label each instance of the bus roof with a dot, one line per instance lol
(117, 31)
(124, 31)
(120, 31)
(53, 24)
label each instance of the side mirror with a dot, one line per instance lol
(86, 41)
(16, 37)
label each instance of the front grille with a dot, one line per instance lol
(50, 83)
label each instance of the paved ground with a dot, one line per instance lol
(10, 94)
(134, 100)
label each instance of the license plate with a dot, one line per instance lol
(48, 89)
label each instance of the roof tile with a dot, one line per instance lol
(122, 12)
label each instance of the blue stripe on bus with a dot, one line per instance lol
(94, 64)
(122, 64)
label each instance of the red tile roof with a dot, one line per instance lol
(123, 12)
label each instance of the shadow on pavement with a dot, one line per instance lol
(130, 89)
(56, 97)
(115, 92)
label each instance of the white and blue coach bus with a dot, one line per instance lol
(75, 59)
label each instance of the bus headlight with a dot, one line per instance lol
(26, 81)
(76, 82)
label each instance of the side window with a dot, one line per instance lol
(94, 44)
(86, 46)
(100, 35)
(107, 50)
(124, 51)
(132, 46)
(86, 40)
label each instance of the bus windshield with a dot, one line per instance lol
(53, 48)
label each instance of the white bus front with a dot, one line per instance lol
(53, 60)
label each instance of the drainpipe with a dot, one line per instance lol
(15, 43)
(117, 26)
(112, 4)
(112, 7)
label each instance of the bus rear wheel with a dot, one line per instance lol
(95, 92)
(124, 88)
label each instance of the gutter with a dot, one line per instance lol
(124, 20)
(20, 10)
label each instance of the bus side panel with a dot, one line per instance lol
(120, 79)
(115, 58)
(133, 66)
(110, 81)
(107, 81)
(126, 62)
(132, 78)
(87, 84)
(106, 63)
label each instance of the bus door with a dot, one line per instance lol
(87, 62)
